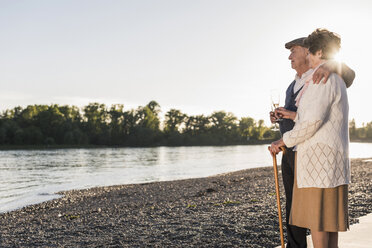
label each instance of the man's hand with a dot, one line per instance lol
(284, 113)
(275, 147)
(273, 119)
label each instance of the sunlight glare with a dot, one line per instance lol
(339, 57)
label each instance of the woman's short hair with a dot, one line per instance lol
(322, 39)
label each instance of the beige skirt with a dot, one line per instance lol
(320, 209)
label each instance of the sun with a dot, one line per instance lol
(339, 57)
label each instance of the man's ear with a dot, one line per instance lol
(305, 51)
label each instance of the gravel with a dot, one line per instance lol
(235, 209)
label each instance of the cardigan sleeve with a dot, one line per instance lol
(313, 110)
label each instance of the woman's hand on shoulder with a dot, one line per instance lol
(322, 73)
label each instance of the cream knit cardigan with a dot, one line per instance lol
(321, 135)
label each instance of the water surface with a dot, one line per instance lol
(32, 176)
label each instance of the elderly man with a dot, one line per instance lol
(296, 236)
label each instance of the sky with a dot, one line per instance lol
(198, 56)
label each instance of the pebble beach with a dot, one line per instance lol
(236, 209)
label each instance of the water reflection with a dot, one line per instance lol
(29, 177)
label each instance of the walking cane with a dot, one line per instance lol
(278, 198)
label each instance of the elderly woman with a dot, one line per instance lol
(321, 139)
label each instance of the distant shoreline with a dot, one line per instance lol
(43, 147)
(39, 147)
(236, 209)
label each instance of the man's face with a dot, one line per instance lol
(298, 56)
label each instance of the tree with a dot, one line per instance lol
(195, 125)
(146, 130)
(224, 127)
(2, 136)
(246, 127)
(32, 135)
(147, 117)
(173, 120)
(129, 122)
(223, 122)
(352, 129)
(51, 122)
(116, 116)
(154, 107)
(369, 130)
(95, 123)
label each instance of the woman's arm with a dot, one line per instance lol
(301, 132)
(332, 66)
(315, 106)
(347, 74)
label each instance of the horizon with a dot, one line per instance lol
(162, 113)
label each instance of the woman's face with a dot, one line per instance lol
(314, 59)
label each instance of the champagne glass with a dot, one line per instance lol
(275, 101)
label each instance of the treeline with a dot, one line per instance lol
(363, 133)
(98, 124)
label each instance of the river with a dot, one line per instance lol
(32, 176)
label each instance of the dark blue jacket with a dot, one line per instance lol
(286, 124)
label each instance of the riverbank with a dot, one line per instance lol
(43, 147)
(235, 209)
(50, 147)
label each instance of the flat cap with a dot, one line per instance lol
(296, 42)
